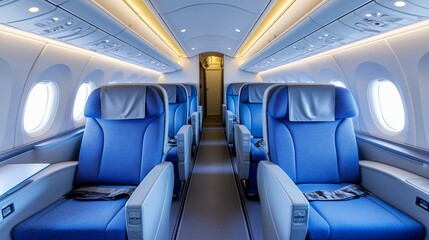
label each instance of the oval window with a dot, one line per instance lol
(387, 106)
(79, 103)
(40, 107)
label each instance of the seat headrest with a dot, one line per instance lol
(253, 92)
(175, 93)
(119, 102)
(192, 90)
(233, 89)
(341, 105)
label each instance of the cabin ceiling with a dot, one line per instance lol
(210, 25)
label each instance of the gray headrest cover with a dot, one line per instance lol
(311, 103)
(123, 103)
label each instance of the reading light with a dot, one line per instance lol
(145, 14)
(33, 9)
(400, 4)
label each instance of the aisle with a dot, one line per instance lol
(212, 209)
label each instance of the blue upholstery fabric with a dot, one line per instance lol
(329, 147)
(232, 97)
(177, 110)
(251, 112)
(363, 218)
(324, 156)
(250, 115)
(113, 152)
(174, 158)
(70, 219)
(177, 118)
(192, 98)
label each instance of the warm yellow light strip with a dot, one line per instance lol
(279, 8)
(145, 14)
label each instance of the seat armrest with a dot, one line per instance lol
(148, 209)
(195, 122)
(201, 111)
(284, 208)
(229, 127)
(45, 188)
(184, 151)
(223, 112)
(242, 141)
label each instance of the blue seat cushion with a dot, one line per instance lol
(257, 153)
(174, 158)
(73, 219)
(363, 218)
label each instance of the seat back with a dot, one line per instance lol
(177, 107)
(309, 132)
(124, 136)
(192, 98)
(231, 97)
(250, 107)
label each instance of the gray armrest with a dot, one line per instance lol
(195, 122)
(223, 112)
(284, 207)
(184, 151)
(46, 187)
(148, 209)
(201, 111)
(397, 187)
(229, 127)
(242, 141)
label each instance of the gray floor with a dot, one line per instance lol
(212, 209)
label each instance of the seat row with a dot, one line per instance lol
(296, 148)
(135, 153)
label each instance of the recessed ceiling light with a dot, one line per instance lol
(400, 3)
(183, 30)
(368, 15)
(229, 48)
(193, 48)
(55, 19)
(33, 9)
(237, 30)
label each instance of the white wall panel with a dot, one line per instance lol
(232, 72)
(63, 67)
(16, 61)
(412, 52)
(189, 74)
(369, 62)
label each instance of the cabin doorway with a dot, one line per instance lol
(211, 82)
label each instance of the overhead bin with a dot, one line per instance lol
(339, 23)
(334, 9)
(299, 31)
(81, 23)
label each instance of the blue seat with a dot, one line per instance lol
(248, 141)
(312, 147)
(230, 110)
(179, 134)
(123, 146)
(193, 113)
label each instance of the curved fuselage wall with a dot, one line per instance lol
(401, 57)
(26, 59)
